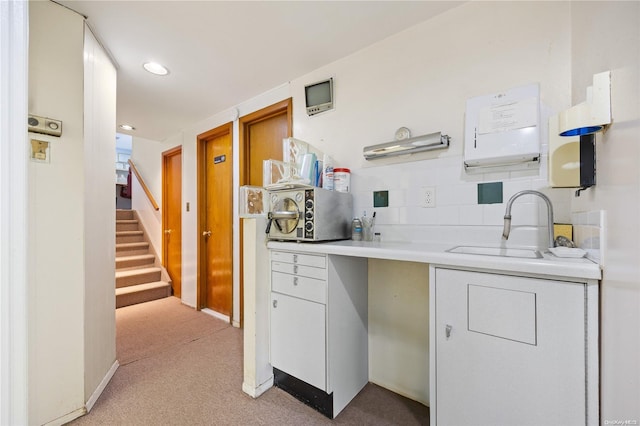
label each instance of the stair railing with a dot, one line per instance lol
(144, 186)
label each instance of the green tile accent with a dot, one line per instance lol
(490, 193)
(380, 198)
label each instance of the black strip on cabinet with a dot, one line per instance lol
(310, 395)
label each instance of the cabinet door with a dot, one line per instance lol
(298, 338)
(509, 350)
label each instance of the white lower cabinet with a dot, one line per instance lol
(513, 350)
(319, 332)
(298, 343)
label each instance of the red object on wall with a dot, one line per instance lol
(125, 191)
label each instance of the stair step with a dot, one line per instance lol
(142, 293)
(123, 262)
(137, 276)
(124, 214)
(132, 249)
(126, 225)
(129, 237)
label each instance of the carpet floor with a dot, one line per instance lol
(179, 366)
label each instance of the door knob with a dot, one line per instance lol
(447, 331)
(167, 231)
(206, 234)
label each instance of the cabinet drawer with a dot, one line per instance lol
(299, 259)
(302, 287)
(300, 270)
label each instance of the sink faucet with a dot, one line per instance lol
(507, 214)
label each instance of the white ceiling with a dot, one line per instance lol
(221, 53)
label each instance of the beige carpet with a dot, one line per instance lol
(183, 367)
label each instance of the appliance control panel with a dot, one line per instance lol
(308, 214)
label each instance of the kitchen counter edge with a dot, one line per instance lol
(436, 254)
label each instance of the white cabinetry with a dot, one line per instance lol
(319, 327)
(513, 350)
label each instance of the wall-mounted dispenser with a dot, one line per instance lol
(572, 153)
(594, 114)
(502, 131)
(571, 159)
(405, 144)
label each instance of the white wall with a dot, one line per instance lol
(56, 217)
(146, 154)
(71, 218)
(99, 218)
(605, 36)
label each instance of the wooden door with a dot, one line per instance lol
(172, 216)
(261, 134)
(216, 220)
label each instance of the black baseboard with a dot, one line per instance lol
(310, 395)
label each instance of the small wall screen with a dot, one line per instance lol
(319, 96)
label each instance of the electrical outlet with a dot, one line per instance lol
(428, 196)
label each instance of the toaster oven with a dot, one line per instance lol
(309, 214)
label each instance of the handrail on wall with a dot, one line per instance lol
(144, 185)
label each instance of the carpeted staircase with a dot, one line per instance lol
(140, 276)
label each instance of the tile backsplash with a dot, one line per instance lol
(589, 233)
(457, 217)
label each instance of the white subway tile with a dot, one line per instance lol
(493, 214)
(496, 176)
(510, 188)
(526, 214)
(594, 218)
(448, 215)
(448, 175)
(422, 216)
(471, 215)
(398, 198)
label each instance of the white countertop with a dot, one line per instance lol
(436, 254)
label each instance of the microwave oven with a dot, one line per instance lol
(309, 214)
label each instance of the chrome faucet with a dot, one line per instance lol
(507, 214)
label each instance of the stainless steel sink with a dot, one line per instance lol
(497, 251)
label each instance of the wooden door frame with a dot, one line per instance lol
(244, 123)
(165, 199)
(201, 220)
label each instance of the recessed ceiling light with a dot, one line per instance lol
(155, 68)
(126, 127)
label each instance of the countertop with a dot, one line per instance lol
(436, 254)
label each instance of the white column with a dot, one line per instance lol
(14, 45)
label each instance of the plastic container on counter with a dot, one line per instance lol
(356, 229)
(342, 179)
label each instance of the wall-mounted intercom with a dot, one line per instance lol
(48, 126)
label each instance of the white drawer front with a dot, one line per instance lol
(302, 287)
(299, 259)
(300, 270)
